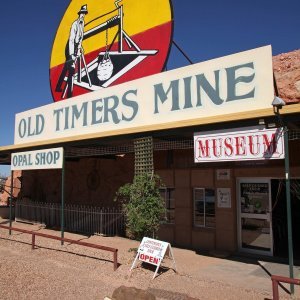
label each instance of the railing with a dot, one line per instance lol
(53, 237)
(77, 218)
(275, 282)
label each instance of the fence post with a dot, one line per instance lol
(33, 241)
(101, 227)
(115, 260)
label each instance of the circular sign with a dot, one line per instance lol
(103, 43)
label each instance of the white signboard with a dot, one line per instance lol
(249, 143)
(152, 251)
(38, 159)
(224, 197)
(241, 82)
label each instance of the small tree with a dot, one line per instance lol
(143, 205)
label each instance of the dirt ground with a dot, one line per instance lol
(52, 271)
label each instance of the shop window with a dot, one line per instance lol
(168, 196)
(204, 207)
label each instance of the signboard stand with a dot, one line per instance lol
(153, 252)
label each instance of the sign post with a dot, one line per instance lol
(288, 205)
(153, 251)
(62, 224)
(10, 200)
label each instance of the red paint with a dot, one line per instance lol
(237, 146)
(157, 38)
(148, 258)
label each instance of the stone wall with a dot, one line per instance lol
(88, 181)
(286, 68)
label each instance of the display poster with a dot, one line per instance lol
(254, 197)
(224, 197)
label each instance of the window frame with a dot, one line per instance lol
(165, 193)
(204, 224)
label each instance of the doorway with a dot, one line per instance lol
(254, 216)
(279, 217)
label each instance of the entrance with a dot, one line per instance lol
(279, 216)
(254, 216)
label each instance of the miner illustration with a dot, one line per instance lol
(73, 51)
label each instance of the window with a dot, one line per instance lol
(168, 195)
(204, 207)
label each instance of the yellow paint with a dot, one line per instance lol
(139, 15)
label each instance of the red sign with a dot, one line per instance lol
(240, 144)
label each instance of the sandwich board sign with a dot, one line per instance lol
(153, 251)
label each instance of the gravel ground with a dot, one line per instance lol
(52, 271)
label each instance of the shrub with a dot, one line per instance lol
(142, 205)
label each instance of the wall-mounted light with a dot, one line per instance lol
(277, 103)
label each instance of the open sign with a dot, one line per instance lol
(153, 251)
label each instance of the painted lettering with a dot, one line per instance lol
(22, 160)
(270, 145)
(212, 92)
(110, 105)
(187, 92)
(203, 147)
(240, 147)
(22, 128)
(228, 148)
(233, 81)
(77, 114)
(99, 111)
(179, 93)
(160, 94)
(97, 108)
(47, 158)
(57, 113)
(254, 144)
(217, 149)
(148, 258)
(130, 103)
(31, 126)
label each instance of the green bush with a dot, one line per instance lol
(142, 205)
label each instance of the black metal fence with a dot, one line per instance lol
(77, 218)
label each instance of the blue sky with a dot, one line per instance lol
(203, 29)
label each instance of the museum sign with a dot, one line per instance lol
(239, 144)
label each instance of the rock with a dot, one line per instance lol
(131, 293)
(16, 190)
(286, 67)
